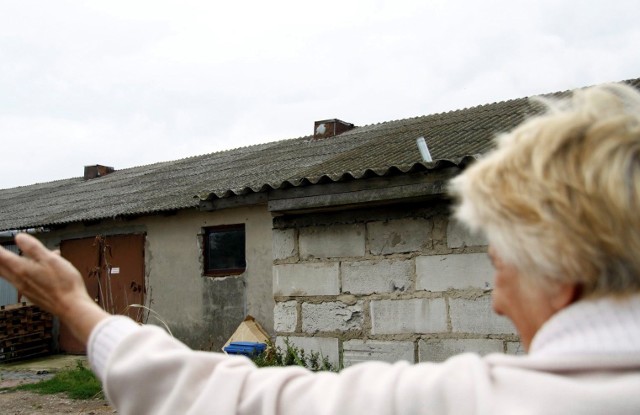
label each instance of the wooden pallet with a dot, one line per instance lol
(25, 332)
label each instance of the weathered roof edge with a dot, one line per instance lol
(348, 175)
(89, 219)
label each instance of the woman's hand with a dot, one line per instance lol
(53, 283)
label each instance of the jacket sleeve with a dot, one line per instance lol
(145, 371)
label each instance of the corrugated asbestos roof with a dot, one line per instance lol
(454, 138)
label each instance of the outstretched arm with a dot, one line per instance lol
(51, 282)
(145, 371)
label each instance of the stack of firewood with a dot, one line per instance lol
(25, 332)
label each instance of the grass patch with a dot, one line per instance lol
(77, 383)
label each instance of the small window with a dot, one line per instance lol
(224, 250)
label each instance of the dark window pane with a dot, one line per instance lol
(225, 249)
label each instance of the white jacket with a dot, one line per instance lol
(584, 360)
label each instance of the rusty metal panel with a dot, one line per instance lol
(84, 255)
(113, 271)
(123, 264)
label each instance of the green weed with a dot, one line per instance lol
(293, 356)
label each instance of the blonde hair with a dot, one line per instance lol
(559, 198)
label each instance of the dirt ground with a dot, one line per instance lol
(28, 403)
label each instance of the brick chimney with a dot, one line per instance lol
(329, 128)
(91, 172)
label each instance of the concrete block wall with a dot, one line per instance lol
(394, 283)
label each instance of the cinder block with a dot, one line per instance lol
(456, 271)
(332, 241)
(368, 277)
(306, 279)
(477, 316)
(326, 346)
(417, 315)
(285, 316)
(459, 236)
(284, 243)
(438, 350)
(358, 351)
(331, 316)
(516, 348)
(399, 236)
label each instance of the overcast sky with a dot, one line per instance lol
(128, 83)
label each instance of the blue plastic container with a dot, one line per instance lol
(249, 349)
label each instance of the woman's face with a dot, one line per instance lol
(528, 306)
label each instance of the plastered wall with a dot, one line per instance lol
(201, 311)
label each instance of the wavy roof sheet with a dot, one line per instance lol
(387, 148)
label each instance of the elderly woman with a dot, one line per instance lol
(559, 201)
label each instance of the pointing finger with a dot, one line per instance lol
(31, 247)
(11, 265)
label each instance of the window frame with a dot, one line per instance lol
(221, 272)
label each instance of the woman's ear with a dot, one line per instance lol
(565, 295)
